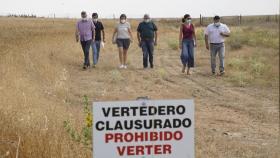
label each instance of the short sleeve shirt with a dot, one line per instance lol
(98, 28)
(214, 33)
(147, 30)
(122, 31)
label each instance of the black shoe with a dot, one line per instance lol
(152, 66)
(213, 73)
(84, 67)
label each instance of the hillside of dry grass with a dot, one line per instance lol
(42, 85)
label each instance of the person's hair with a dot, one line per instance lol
(94, 15)
(185, 17)
(83, 13)
(123, 16)
(216, 17)
(146, 16)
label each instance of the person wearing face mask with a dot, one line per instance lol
(85, 33)
(98, 40)
(147, 38)
(187, 41)
(122, 36)
(215, 34)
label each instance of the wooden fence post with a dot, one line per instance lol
(240, 19)
(200, 20)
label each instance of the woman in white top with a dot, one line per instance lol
(122, 37)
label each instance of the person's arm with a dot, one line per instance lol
(156, 37)
(206, 41)
(139, 34)
(225, 33)
(139, 38)
(130, 33)
(103, 33)
(181, 36)
(114, 35)
(155, 34)
(77, 33)
(194, 37)
(93, 31)
(206, 38)
(93, 35)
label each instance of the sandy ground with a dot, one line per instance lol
(240, 121)
(231, 121)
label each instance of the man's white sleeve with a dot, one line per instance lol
(226, 29)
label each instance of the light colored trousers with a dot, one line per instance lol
(95, 51)
(220, 50)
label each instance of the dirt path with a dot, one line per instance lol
(230, 121)
(43, 84)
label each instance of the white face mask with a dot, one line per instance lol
(189, 21)
(94, 20)
(84, 19)
(147, 20)
(217, 24)
(123, 21)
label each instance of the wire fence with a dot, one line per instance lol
(229, 20)
(201, 21)
(239, 20)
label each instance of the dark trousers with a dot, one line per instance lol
(86, 46)
(148, 51)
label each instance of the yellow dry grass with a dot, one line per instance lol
(42, 85)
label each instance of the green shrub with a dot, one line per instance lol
(85, 135)
(173, 44)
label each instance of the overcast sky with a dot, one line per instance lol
(136, 8)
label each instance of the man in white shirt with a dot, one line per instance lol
(215, 34)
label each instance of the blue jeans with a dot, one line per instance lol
(187, 55)
(148, 52)
(220, 50)
(86, 47)
(95, 51)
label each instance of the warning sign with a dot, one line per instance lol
(144, 128)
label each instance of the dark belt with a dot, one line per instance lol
(217, 43)
(147, 39)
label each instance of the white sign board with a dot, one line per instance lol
(143, 129)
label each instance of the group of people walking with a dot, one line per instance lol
(91, 33)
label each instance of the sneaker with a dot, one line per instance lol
(125, 66)
(94, 66)
(121, 66)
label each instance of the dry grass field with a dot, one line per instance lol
(42, 84)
